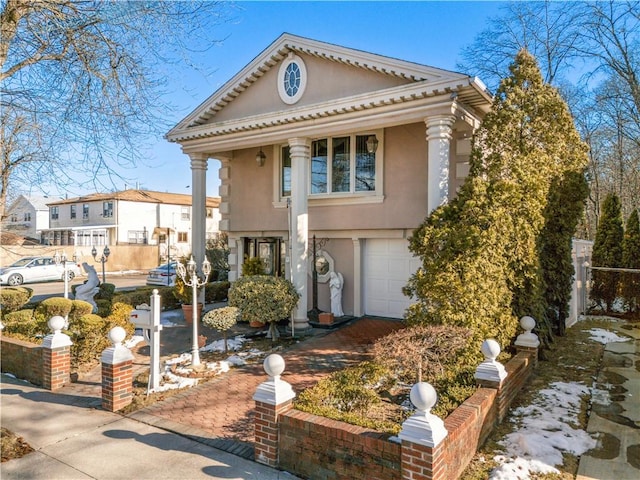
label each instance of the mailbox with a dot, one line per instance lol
(141, 318)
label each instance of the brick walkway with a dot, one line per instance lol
(220, 412)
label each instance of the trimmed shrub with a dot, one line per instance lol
(26, 324)
(263, 298)
(216, 291)
(253, 266)
(13, 299)
(52, 306)
(106, 291)
(349, 395)
(80, 308)
(89, 336)
(119, 317)
(104, 307)
(221, 319)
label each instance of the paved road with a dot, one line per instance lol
(56, 289)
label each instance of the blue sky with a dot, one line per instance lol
(427, 32)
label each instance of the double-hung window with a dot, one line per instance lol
(85, 211)
(107, 209)
(72, 212)
(55, 213)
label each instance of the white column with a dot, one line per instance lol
(357, 277)
(198, 209)
(300, 158)
(439, 139)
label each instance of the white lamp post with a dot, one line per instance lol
(103, 259)
(57, 258)
(195, 282)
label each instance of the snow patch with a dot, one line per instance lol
(605, 336)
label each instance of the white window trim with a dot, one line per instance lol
(341, 198)
(292, 58)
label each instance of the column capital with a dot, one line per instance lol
(439, 126)
(198, 161)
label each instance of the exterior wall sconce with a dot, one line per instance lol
(372, 144)
(260, 158)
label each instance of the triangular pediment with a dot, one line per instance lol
(335, 75)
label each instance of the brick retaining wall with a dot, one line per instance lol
(22, 359)
(320, 448)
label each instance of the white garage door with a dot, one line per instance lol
(388, 264)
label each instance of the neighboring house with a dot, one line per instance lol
(129, 217)
(27, 216)
(351, 147)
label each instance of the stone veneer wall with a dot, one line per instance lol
(320, 448)
(22, 359)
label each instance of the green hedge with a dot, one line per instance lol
(13, 299)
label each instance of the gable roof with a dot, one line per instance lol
(423, 81)
(38, 202)
(144, 196)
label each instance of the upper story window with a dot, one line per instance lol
(183, 237)
(85, 211)
(72, 212)
(107, 209)
(55, 213)
(342, 166)
(209, 212)
(185, 213)
(27, 216)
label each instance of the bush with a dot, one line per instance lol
(106, 291)
(349, 395)
(79, 308)
(119, 317)
(13, 299)
(263, 298)
(427, 353)
(26, 325)
(253, 266)
(216, 291)
(89, 336)
(52, 306)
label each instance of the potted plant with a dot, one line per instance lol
(264, 299)
(222, 319)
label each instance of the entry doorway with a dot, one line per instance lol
(270, 250)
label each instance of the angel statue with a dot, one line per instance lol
(336, 282)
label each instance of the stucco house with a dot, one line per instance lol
(129, 217)
(27, 216)
(349, 147)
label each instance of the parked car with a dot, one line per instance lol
(37, 269)
(164, 275)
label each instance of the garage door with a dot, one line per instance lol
(388, 264)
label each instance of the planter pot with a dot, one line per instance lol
(256, 324)
(187, 311)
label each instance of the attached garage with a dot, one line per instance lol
(388, 264)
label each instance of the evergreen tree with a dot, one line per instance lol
(565, 206)
(480, 254)
(607, 252)
(631, 259)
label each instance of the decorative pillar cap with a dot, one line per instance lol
(491, 370)
(274, 391)
(423, 427)
(57, 339)
(118, 353)
(528, 338)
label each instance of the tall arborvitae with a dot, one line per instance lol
(631, 260)
(480, 254)
(607, 252)
(565, 206)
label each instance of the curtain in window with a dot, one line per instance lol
(365, 166)
(341, 175)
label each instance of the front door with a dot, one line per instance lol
(271, 252)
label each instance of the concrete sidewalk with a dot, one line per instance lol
(74, 440)
(616, 422)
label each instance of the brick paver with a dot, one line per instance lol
(220, 411)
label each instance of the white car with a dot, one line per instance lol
(36, 269)
(164, 275)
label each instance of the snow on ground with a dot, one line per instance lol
(546, 427)
(181, 365)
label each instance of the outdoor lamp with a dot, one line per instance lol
(191, 279)
(372, 144)
(103, 259)
(62, 259)
(260, 158)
